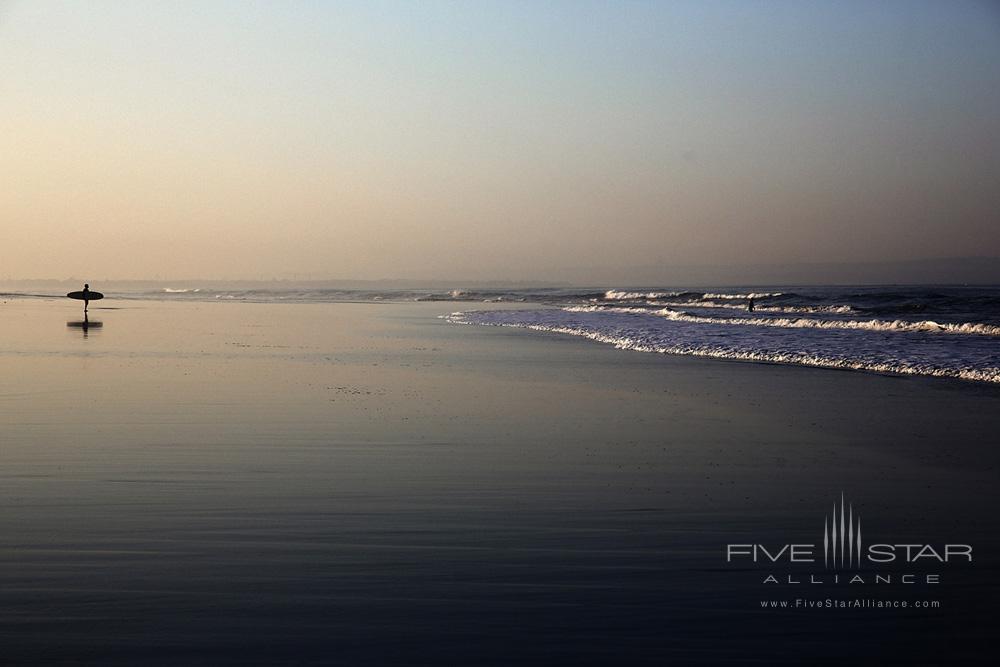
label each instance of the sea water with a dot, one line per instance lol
(943, 331)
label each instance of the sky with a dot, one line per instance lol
(492, 140)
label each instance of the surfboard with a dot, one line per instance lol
(89, 296)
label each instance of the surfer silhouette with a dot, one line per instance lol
(750, 305)
(86, 295)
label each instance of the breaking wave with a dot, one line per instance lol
(763, 309)
(744, 297)
(802, 322)
(621, 295)
(913, 351)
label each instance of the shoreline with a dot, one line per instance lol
(564, 335)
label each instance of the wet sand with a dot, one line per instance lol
(236, 483)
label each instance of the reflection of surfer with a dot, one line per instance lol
(85, 325)
(750, 305)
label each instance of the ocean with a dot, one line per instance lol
(942, 331)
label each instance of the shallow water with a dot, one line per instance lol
(234, 483)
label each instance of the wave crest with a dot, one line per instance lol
(748, 295)
(621, 295)
(927, 326)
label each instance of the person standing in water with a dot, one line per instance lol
(750, 305)
(86, 300)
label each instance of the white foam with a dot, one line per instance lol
(765, 309)
(927, 326)
(620, 295)
(750, 295)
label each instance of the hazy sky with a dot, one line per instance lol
(486, 140)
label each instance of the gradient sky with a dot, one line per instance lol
(492, 140)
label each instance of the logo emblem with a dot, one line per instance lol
(842, 537)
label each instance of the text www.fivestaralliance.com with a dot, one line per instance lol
(852, 603)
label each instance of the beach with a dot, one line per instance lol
(199, 482)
